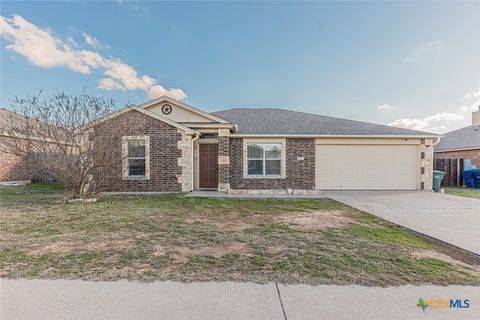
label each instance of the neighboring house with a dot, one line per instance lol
(462, 143)
(173, 147)
(12, 168)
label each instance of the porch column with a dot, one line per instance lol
(426, 164)
(223, 160)
(185, 161)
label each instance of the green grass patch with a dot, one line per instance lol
(389, 234)
(463, 192)
(45, 187)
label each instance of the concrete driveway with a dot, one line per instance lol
(452, 219)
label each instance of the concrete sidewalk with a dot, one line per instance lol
(452, 219)
(76, 299)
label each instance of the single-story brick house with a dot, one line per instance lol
(173, 147)
(462, 143)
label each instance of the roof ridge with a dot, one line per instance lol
(463, 128)
(325, 116)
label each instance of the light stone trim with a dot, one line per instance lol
(185, 161)
(224, 160)
(223, 132)
(125, 140)
(427, 163)
(276, 191)
(224, 187)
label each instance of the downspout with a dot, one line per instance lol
(197, 136)
(433, 154)
(433, 149)
(438, 141)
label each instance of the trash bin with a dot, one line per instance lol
(476, 178)
(468, 178)
(437, 180)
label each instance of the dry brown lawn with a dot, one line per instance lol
(199, 239)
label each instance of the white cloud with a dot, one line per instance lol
(434, 123)
(92, 41)
(384, 107)
(438, 122)
(42, 49)
(473, 95)
(415, 124)
(471, 108)
(442, 122)
(39, 46)
(444, 116)
(157, 90)
(472, 102)
(109, 84)
(72, 41)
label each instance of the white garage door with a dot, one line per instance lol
(367, 167)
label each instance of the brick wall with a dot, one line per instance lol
(474, 155)
(13, 168)
(164, 154)
(300, 174)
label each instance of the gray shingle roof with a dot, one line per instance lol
(9, 118)
(464, 138)
(281, 121)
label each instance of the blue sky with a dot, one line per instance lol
(420, 61)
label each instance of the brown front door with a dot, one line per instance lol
(208, 166)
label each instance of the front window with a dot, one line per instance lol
(136, 151)
(264, 158)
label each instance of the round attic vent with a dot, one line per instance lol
(166, 109)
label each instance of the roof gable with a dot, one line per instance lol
(144, 111)
(179, 112)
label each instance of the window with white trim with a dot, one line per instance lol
(136, 152)
(264, 159)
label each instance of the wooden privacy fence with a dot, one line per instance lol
(453, 169)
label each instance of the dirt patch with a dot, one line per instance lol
(59, 247)
(441, 256)
(237, 225)
(159, 250)
(277, 249)
(180, 255)
(315, 220)
(65, 247)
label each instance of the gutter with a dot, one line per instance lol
(197, 136)
(459, 149)
(208, 125)
(241, 135)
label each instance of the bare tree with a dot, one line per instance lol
(56, 135)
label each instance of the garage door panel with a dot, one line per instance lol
(367, 167)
